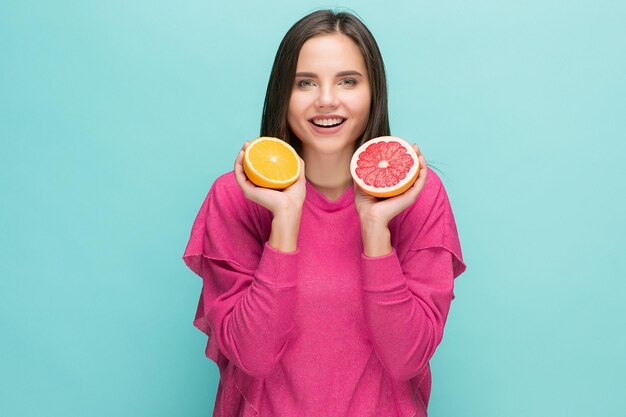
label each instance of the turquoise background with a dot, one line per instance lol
(116, 116)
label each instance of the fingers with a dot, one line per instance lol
(302, 174)
(239, 160)
(423, 166)
(423, 172)
(423, 169)
(238, 168)
(240, 175)
(421, 160)
(420, 156)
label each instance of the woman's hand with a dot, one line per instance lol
(285, 205)
(375, 214)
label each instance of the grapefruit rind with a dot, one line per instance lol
(259, 178)
(396, 189)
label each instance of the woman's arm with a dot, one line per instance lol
(408, 286)
(249, 313)
(376, 214)
(285, 205)
(249, 279)
(406, 306)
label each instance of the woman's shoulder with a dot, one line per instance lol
(225, 198)
(226, 184)
(226, 193)
(228, 227)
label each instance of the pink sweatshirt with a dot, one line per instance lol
(324, 331)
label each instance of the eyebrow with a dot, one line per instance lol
(339, 74)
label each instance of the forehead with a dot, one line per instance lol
(330, 52)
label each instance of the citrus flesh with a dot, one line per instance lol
(271, 163)
(385, 167)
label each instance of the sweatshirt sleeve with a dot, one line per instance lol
(407, 293)
(248, 293)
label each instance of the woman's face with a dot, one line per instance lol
(330, 100)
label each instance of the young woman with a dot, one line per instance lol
(319, 300)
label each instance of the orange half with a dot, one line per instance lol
(271, 163)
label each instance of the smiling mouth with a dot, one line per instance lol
(327, 123)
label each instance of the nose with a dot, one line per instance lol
(326, 97)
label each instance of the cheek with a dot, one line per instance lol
(362, 104)
(295, 108)
(290, 114)
(295, 120)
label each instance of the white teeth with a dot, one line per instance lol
(327, 122)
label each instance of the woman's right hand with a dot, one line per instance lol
(285, 205)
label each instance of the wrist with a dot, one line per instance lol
(372, 221)
(287, 211)
(376, 239)
(372, 224)
(285, 228)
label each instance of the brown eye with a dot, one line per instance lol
(305, 83)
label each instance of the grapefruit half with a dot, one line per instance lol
(271, 163)
(385, 166)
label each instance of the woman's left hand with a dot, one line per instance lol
(376, 213)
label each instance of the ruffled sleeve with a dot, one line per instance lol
(429, 223)
(248, 293)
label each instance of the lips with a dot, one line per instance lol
(327, 122)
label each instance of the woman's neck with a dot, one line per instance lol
(329, 174)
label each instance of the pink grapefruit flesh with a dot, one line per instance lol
(385, 166)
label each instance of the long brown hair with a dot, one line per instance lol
(274, 119)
